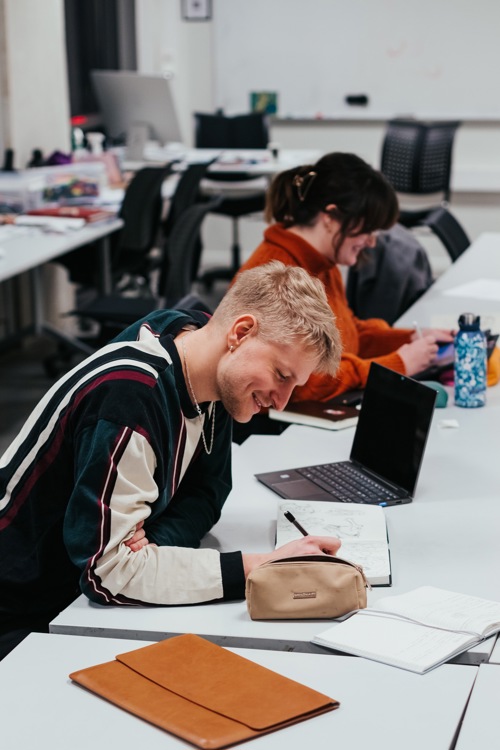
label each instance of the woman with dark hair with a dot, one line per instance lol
(323, 216)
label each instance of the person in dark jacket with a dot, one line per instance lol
(125, 464)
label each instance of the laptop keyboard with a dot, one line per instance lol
(347, 484)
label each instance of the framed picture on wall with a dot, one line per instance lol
(196, 10)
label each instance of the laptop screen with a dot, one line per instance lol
(393, 426)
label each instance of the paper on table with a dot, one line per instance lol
(399, 643)
(53, 223)
(479, 289)
(418, 630)
(444, 609)
(13, 231)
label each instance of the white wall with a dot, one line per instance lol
(35, 107)
(187, 50)
(406, 57)
(35, 92)
(180, 49)
(4, 88)
(34, 97)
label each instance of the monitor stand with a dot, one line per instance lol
(137, 137)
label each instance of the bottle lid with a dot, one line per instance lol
(469, 322)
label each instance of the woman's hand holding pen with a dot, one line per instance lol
(422, 350)
(418, 355)
(307, 545)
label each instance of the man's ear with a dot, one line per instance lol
(244, 326)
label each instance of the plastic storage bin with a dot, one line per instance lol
(78, 182)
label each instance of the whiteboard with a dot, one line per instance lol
(427, 58)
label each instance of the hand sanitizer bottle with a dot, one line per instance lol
(470, 362)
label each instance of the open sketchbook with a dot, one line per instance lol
(418, 630)
(362, 529)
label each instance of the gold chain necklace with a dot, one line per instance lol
(208, 450)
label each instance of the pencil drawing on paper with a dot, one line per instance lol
(362, 529)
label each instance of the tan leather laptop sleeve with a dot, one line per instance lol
(202, 693)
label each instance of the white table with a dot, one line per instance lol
(495, 654)
(33, 247)
(447, 537)
(380, 706)
(253, 162)
(30, 248)
(480, 261)
(481, 725)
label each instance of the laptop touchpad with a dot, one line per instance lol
(299, 489)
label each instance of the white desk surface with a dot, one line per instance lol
(447, 537)
(480, 261)
(251, 161)
(481, 725)
(34, 247)
(464, 179)
(495, 654)
(42, 708)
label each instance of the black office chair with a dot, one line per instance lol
(248, 131)
(186, 194)
(416, 159)
(446, 227)
(181, 248)
(238, 131)
(141, 212)
(140, 233)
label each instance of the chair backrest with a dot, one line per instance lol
(238, 131)
(181, 252)
(192, 301)
(142, 208)
(416, 156)
(186, 193)
(449, 230)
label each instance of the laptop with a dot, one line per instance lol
(386, 454)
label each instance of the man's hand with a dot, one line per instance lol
(307, 545)
(139, 540)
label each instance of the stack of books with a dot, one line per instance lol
(64, 217)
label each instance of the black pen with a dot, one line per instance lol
(290, 517)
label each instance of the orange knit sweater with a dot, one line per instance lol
(364, 341)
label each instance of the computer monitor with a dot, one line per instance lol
(130, 101)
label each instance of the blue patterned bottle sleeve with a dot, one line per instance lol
(470, 363)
